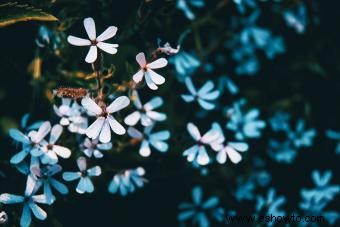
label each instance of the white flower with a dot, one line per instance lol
(101, 127)
(93, 147)
(146, 70)
(95, 41)
(145, 113)
(168, 50)
(71, 115)
(155, 139)
(52, 151)
(204, 96)
(198, 151)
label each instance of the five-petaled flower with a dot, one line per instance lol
(101, 127)
(95, 41)
(152, 78)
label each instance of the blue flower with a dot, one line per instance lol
(225, 83)
(31, 143)
(29, 202)
(204, 96)
(270, 205)
(45, 178)
(334, 136)
(94, 147)
(198, 151)
(302, 137)
(185, 64)
(280, 121)
(283, 152)
(199, 210)
(156, 140)
(296, 18)
(145, 113)
(85, 184)
(244, 124)
(184, 6)
(127, 181)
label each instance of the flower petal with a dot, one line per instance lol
(94, 129)
(90, 28)
(91, 55)
(19, 136)
(234, 156)
(107, 34)
(194, 132)
(116, 126)
(159, 63)
(105, 133)
(85, 185)
(81, 162)
(26, 218)
(140, 58)
(132, 118)
(108, 47)
(71, 176)
(153, 103)
(145, 149)
(119, 103)
(91, 106)
(63, 152)
(78, 41)
(155, 77)
(94, 171)
(37, 211)
(208, 86)
(134, 133)
(55, 133)
(138, 76)
(149, 82)
(10, 198)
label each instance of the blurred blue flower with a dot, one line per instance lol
(226, 84)
(280, 121)
(85, 184)
(204, 96)
(270, 205)
(243, 4)
(185, 64)
(334, 136)
(127, 181)
(184, 6)
(281, 151)
(29, 202)
(156, 140)
(145, 113)
(199, 210)
(296, 17)
(302, 137)
(244, 124)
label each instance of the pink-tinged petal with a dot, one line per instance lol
(93, 130)
(140, 58)
(81, 162)
(119, 103)
(132, 119)
(116, 126)
(63, 152)
(234, 156)
(107, 34)
(91, 55)
(108, 47)
(91, 106)
(90, 28)
(155, 77)
(194, 132)
(159, 63)
(134, 133)
(149, 82)
(78, 41)
(105, 134)
(138, 76)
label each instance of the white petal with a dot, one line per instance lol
(155, 77)
(44, 129)
(159, 63)
(132, 119)
(134, 133)
(116, 126)
(234, 156)
(194, 132)
(91, 55)
(159, 145)
(94, 171)
(63, 152)
(138, 76)
(93, 130)
(78, 41)
(145, 149)
(55, 133)
(221, 157)
(118, 104)
(239, 146)
(162, 135)
(81, 162)
(91, 106)
(108, 47)
(105, 134)
(153, 103)
(156, 116)
(202, 157)
(140, 58)
(90, 28)
(107, 34)
(149, 82)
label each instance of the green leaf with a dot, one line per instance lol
(12, 12)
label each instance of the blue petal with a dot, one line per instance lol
(70, 176)
(85, 185)
(60, 187)
(26, 218)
